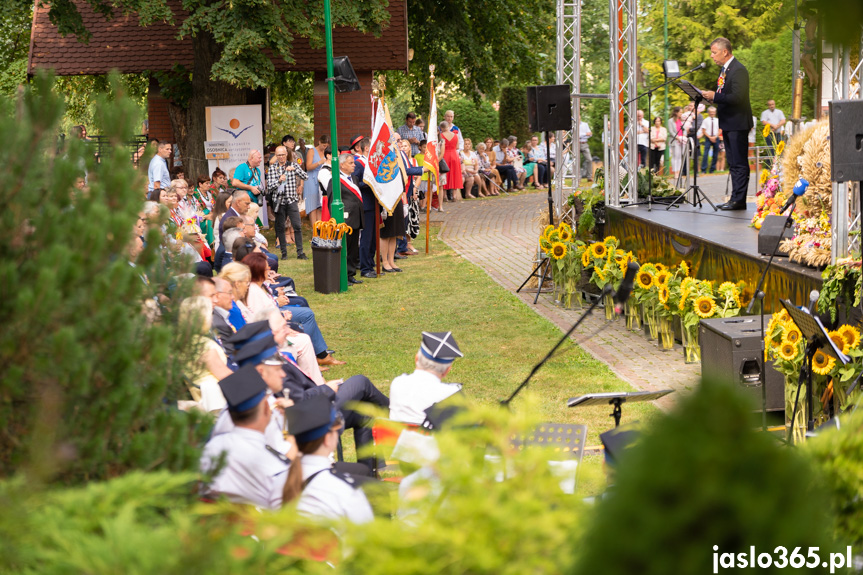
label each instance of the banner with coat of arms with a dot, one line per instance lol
(383, 175)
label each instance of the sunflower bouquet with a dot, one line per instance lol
(608, 263)
(646, 294)
(667, 283)
(785, 345)
(559, 244)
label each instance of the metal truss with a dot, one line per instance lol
(847, 85)
(568, 165)
(620, 172)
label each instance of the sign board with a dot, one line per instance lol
(217, 151)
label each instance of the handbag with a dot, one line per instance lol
(442, 166)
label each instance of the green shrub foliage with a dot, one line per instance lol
(513, 114)
(476, 121)
(838, 454)
(87, 384)
(699, 478)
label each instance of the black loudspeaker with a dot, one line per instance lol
(769, 233)
(846, 140)
(549, 108)
(731, 351)
(344, 77)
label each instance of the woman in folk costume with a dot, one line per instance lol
(352, 199)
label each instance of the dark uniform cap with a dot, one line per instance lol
(616, 442)
(249, 333)
(243, 389)
(356, 140)
(440, 347)
(263, 350)
(311, 419)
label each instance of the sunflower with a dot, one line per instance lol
(558, 250)
(780, 147)
(684, 268)
(660, 267)
(705, 306)
(548, 229)
(851, 335)
(662, 277)
(821, 364)
(564, 235)
(644, 279)
(838, 340)
(565, 226)
(585, 257)
(788, 351)
(544, 244)
(598, 250)
(599, 274)
(611, 241)
(553, 236)
(684, 294)
(663, 294)
(688, 283)
(766, 131)
(765, 175)
(792, 335)
(726, 285)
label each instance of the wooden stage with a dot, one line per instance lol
(717, 245)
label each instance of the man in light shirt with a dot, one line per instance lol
(711, 133)
(158, 175)
(411, 395)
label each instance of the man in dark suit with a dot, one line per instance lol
(368, 245)
(352, 198)
(735, 118)
(238, 209)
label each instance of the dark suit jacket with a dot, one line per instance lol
(732, 104)
(353, 205)
(229, 214)
(224, 330)
(298, 386)
(369, 200)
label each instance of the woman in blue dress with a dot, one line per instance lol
(313, 161)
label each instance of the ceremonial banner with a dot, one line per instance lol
(383, 175)
(431, 158)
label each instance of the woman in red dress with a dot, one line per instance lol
(450, 155)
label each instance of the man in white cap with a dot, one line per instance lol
(411, 395)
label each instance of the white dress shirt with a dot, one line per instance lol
(274, 434)
(251, 474)
(411, 395)
(709, 127)
(330, 496)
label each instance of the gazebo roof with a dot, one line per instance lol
(122, 44)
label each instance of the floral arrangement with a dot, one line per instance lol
(808, 157)
(843, 280)
(770, 197)
(785, 345)
(559, 244)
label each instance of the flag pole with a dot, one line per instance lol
(379, 94)
(430, 173)
(337, 206)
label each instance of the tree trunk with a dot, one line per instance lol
(191, 131)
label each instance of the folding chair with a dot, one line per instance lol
(564, 439)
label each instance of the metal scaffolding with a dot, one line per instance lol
(623, 158)
(847, 213)
(567, 164)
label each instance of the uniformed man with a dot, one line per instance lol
(251, 473)
(411, 395)
(263, 354)
(321, 490)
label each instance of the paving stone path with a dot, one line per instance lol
(500, 235)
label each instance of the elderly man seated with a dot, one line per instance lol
(411, 395)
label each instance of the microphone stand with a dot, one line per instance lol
(759, 295)
(649, 93)
(605, 291)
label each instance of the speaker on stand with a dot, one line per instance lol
(549, 109)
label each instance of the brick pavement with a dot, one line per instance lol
(500, 234)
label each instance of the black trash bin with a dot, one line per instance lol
(326, 266)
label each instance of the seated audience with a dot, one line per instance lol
(210, 364)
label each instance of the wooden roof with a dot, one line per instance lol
(123, 45)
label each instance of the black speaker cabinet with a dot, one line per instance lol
(846, 140)
(344, 77)
(769, 233)
(731, 351)
(549, 108)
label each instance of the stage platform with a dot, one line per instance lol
(717, 245)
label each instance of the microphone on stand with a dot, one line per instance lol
(625, 290)
(813, 299)
(799, 190)
(701, 66)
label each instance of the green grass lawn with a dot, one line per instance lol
(376, 327)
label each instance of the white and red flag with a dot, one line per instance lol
(431, 158)
(383, 174)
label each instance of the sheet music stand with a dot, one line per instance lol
(617, 399)
(697, 195)
(816, 340)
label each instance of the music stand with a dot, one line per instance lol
(617, 399)
(817, 340)
(697, 195)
